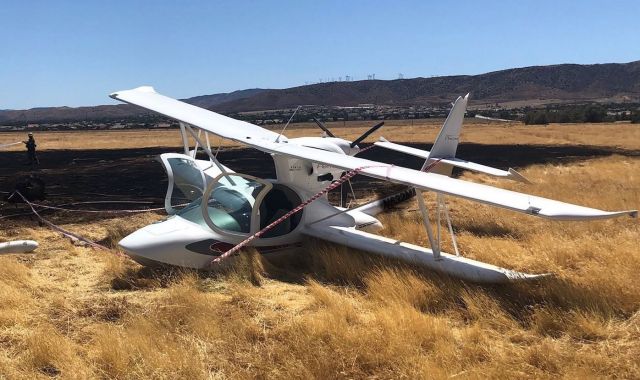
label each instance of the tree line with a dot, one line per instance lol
(579, 114)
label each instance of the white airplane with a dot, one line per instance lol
(228, 210)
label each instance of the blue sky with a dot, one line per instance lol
(76, 52)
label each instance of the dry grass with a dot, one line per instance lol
(621, 135)
(72, 312)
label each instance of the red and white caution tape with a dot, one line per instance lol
(366, 148)
(66, 233)
(348, 175)
(126, 211)
(431, 165)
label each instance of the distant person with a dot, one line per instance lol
(31, 150)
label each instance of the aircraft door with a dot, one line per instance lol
(186, 182)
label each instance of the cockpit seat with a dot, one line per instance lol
(279, 201)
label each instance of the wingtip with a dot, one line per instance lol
(147, 89)
(514, 276)
(514, 175)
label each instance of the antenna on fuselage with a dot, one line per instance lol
(285, 126)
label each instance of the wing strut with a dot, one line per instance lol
(442, 205)
(207, 149)
(434, 243)
(441, 208)
(195, 147)
(185, 138)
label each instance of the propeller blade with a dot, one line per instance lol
(366, 134)
(324, 128)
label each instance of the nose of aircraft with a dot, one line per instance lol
(163, 242)
(134, 242)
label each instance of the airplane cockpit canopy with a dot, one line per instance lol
(234, 204)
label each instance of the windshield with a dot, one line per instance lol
(229, 205)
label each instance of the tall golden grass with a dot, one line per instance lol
(71, 312)
(621, 135)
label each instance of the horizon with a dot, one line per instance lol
(311, 84)
(74, 55)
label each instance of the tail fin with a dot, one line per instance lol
(446, 143)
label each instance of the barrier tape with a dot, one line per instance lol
(10, 144)
(348, 175)
(125, 211)
(365, 148)
(113, 212)
(431, 165)
(66, 233)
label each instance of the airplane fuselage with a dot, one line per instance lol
(224, 208)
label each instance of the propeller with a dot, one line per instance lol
(323, 127)
(343, 190)
(356, 141)
(366, 134)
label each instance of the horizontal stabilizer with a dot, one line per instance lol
(384, 143)
(464, 164)
(457, 162)
(454, 266)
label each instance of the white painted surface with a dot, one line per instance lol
(456, 266)
(18, 246)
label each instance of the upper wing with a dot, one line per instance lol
(512, 200)
(215, 123)
(264, 140)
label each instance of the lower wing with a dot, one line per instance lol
(455, 266)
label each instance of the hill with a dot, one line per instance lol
(110, 112)
(565, 83)
(536, 84)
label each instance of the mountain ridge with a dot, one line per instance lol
(543, 84)
(562, 82)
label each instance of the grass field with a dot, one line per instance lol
(622, 135)
(72, 312)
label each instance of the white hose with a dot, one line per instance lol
(10, 144)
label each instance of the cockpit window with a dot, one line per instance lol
(187, 179)
(231, 203)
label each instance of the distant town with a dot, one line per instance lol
(559, 113)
